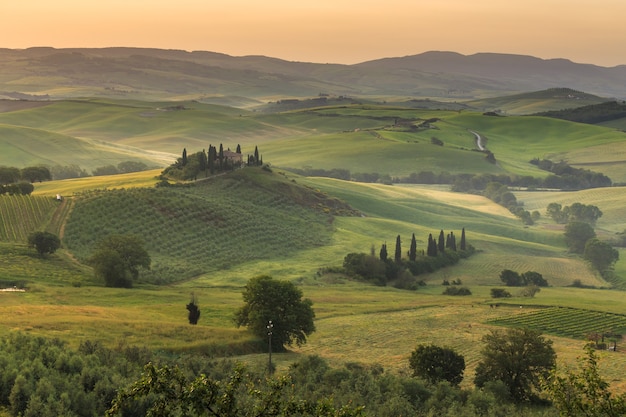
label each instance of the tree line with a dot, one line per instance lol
(563, 176)
(16, 181)
(402, 269)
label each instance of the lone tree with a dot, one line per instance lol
(520, 358)
(436, 364)
(117, 260)
(194, 311)
(44, 242)
(281, 302)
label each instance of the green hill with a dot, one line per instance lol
(552, 99)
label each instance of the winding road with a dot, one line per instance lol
(479, 140)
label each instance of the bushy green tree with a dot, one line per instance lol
(520, 358)
(280, 302)
(44, 242)
(511, 278)
(600, 254)
(577, 234)
(435, 363)
(117, 260)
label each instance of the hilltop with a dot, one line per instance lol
(156, 74)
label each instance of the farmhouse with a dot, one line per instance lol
(235, 158)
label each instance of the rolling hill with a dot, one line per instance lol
(359, 137)
(154, 74)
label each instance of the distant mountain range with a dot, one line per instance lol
(157, 74)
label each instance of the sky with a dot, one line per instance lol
(326, 31)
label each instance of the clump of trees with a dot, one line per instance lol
(121, 168)
(117, 259)
(580, 237)
(567, 177)
(515, 279)
(500, 194)
(213, 161)
(403, 268)
(577, 212)
(12, 175)
(279, 302)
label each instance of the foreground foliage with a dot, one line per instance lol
(170, 393)
(585, 393)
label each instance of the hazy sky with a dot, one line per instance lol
(338, 31)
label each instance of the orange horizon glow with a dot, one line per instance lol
(325, 31)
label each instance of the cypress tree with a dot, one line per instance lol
(383, 252)
(398, 256)
(220, 157)
(238, 150)
(413, 249)
(431, 250)
(441, 246)
(184, 158)
(463, 239)
(452, 241)
(256, 156)
(211, 159)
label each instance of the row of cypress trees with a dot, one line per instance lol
(434, 247)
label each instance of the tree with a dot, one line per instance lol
(511, 278)
(577, 234)
(554, 211)
(194, 311)
(281, 302)
(534, 278)
(383, 252)
(413, 249)
(520, 358)
(9, 175)
(33, 174)
(183, 160)
(44, 242)
(585, 393)
(436, 364)
(500, 293)
(431, 249)
(398, 254)
(441, 242)
(117, 260)
(600, 254)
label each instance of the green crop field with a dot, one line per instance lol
(21, 215)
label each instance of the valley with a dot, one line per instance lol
(339, 176)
